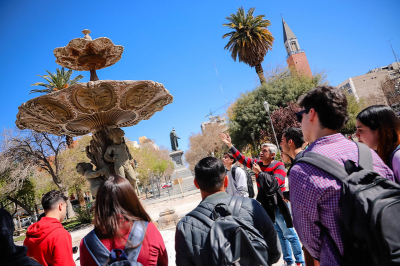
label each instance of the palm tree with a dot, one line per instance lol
(57, 81)
(250, 39)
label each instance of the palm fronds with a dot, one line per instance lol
(56, 81)
(250, 39)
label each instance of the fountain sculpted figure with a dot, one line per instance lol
(174, 140)
(93, 177)
(119, 154)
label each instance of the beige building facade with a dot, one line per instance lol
(378, 86)
(366, 87)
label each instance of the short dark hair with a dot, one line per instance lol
(51, 198)
(294, 134)
(210, 173)
(230, 155)
(330, 103)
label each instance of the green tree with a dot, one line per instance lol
(151, 161)
(56, 81)
(247, 114)
(250, 39)
(354, 107)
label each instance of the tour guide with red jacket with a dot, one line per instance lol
(270, 178)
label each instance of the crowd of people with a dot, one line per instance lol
(309, 222)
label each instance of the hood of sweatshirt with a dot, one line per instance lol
(38, 232)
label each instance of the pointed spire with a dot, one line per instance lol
(287, 32)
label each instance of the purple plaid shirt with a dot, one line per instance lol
(314, 195)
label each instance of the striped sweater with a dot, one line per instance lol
(275, 168)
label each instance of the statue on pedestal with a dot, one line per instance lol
(174, 140)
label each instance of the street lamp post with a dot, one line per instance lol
(254, 143)
(266, 106)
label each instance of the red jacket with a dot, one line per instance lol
(49, 243)
(152, 252)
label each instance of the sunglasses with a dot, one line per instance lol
(299, 115)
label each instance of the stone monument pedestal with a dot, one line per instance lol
(179, 167)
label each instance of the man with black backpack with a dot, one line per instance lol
(237, 185)
(270, 178)
(224, 230)
(334, 187)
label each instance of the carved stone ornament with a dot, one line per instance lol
(85, 54)
(87, 107)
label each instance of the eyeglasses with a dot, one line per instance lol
(299, 115)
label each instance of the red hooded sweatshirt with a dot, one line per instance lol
(49, 243)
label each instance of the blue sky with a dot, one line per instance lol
(178, 42)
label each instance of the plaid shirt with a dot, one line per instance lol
(276, 168)
(315, 194)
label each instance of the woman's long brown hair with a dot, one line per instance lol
(116, 200)
(383, 119)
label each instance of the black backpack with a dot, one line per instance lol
(250, 188)
(370, 208)
(117, 257)
(231, 241)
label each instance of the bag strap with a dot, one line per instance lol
(135, 240)
(97, 250)
(202, 214)
(235, 204)
(364, 156)
(324, 163)
(392, 156)
(233, 172)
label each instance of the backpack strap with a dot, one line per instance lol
(364, 156)
(233, 172)
(135, 240)
(324, 163)
(392, 156)
(99, 252)
(235, 205)
(202, 214)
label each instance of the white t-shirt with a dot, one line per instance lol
(238, 187)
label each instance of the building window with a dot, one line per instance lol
(294, 46)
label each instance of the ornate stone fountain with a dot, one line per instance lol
(99, 107)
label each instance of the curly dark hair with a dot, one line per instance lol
(330, 103)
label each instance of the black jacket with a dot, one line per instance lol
(270, 197)
(10, 254)
(191, 233)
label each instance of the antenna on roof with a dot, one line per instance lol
(395, 56)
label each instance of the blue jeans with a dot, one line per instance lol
(288, 237)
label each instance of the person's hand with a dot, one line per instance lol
(226, 139)
(256, 168)
(284, 199)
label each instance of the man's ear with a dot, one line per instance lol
(312, 115)
(290, 142)
(60, 206)
(226, 181)
(195, 183)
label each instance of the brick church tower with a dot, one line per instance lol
(296, 57)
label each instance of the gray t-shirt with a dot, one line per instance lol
(238, 187)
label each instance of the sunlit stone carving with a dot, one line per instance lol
(97, 106)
